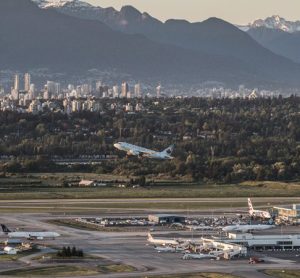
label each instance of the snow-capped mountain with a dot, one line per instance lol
(45, 4)
(128, 19)
(277, 23)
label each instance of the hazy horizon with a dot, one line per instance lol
(234, 11)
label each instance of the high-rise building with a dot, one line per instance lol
(27, 82)
(32, 88)
(137, 90)
(78, 92)
(17, 82)
(14, 94)
(125, 89)
(71, 87)
(31, 92)
(76, 106)
(46, 95)
(50, 88)
(86, 89)
(98, 85)
(115, 91)
(129, 95)
(53, 89)
(158, 91)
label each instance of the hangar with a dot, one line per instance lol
(166, 218)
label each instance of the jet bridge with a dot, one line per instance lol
(229, 250)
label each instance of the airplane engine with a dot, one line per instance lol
(132, 152)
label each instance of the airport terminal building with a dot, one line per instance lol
(266, 242)
(289, 213)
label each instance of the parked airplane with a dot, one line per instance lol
(156, 241)
(169, 249)
(198, 228)
(143, 152)
(199, 256)
(216, 253)
(257, 213)
(29, 235)
(246, 228)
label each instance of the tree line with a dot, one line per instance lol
(224, 140)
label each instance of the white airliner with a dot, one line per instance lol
(198, 228)
(169, 249)
(29, 235)
(156, 241)
(257, 213)
(246, 228)
(143, 152)
(199, 256)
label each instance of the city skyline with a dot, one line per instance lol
(234, 11)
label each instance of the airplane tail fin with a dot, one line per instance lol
(5, 229)
(169, 150)
(250, 205)
(150, 236)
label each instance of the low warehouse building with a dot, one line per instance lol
(166, 219)
(266, 242)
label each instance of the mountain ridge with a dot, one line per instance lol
(219, 52)
(208, 36)
(277, 23)
(280, 42)
(64, 43)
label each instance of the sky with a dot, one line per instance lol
(234, 11)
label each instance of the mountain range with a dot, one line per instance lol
(280, 42)
(274, 22)
(74, 36)
(274, 33)
(277, 34)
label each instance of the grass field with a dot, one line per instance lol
(64, 270)
(69, 270)
(19, 255)
(197, 275)
(280, 273)
(188, 190)
(115, 268)
(49, 186)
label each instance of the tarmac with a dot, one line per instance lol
(131, 248)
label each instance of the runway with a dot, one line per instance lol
(181, 205)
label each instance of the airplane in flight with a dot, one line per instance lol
(169, 242)
(246, 228)
(143, 152)
(29, 235)
(258, 213)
